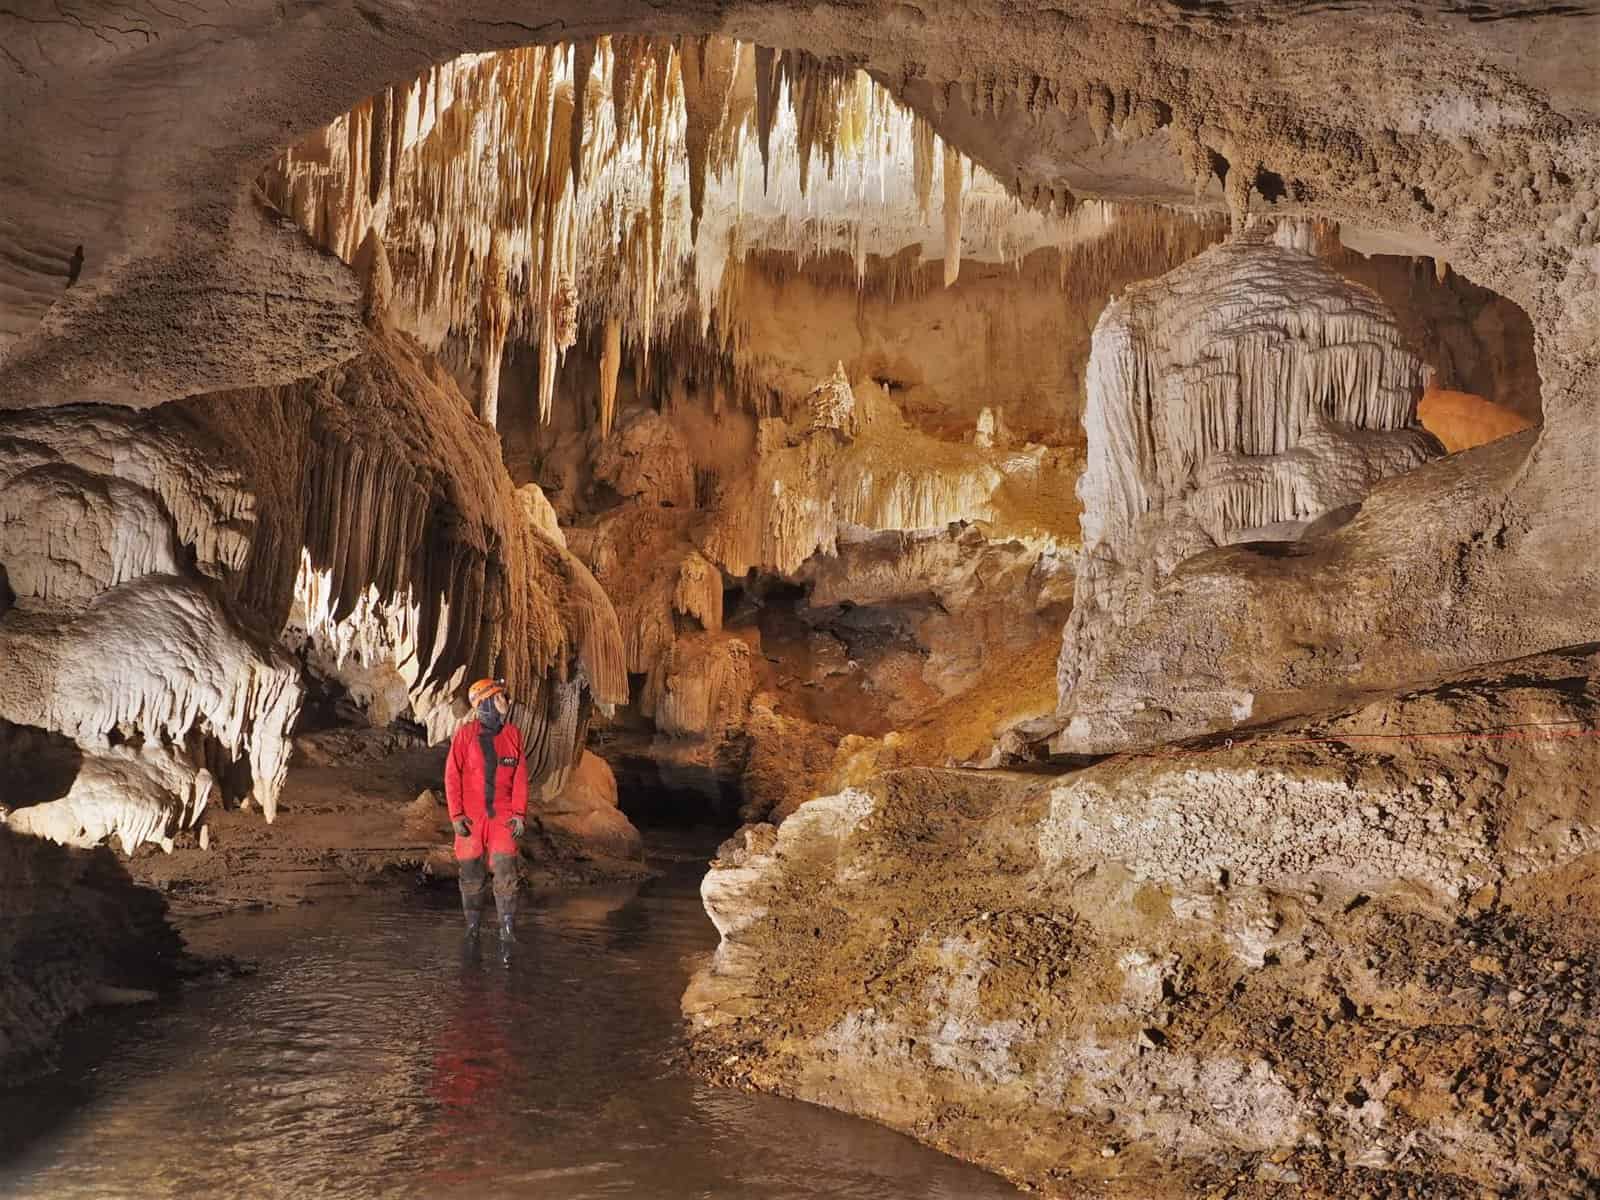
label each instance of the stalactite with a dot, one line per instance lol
(922, 151)
(495, 314)
(952, 214)
(485, 154)
(610, 366)
(582, 63)
(766, 108)
(379, 143)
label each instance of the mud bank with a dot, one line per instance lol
(364, 807)
(1355, 956)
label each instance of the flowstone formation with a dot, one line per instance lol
(116, 528)
(1238, 399)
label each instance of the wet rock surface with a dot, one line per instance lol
(74, 929)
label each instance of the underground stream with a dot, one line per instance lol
(370, 1055)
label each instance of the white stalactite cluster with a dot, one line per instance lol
(160, 560)
(114, 635)
(1237, 398)
(811, 482)
(618, 185)
(412, 551)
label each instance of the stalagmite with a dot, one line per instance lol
(952, 214)
(832, 406)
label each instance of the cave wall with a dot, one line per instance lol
(76, 927)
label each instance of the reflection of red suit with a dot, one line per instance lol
(464, 791)
(472, 1062)
(476, 1074)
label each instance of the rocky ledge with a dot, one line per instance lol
(1355, 956)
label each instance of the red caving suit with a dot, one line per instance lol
(465, 794)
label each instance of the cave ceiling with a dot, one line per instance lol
(135, 131)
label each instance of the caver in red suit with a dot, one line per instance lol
(486, 788)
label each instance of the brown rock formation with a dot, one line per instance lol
(1329, 957)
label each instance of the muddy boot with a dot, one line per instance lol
(473, 879)
(506, 906)
(505, 901)
(508, 937)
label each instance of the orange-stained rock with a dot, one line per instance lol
(586, 813)
(1461, 420)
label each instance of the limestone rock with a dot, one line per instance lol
(1236, 399)
(584, 818)
(1172, 953)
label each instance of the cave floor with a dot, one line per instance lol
(369, 1055)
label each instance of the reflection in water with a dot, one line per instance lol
(371, 1057)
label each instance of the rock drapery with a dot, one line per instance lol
(365, 505)
(1237, 399)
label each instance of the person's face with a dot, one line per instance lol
(502, 705)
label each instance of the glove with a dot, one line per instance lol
(518, 826)
(462, 826)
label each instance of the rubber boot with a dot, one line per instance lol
(505, 902)
(506, 906)
(473, 878)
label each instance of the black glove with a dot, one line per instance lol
(518, 826)
(462, 826)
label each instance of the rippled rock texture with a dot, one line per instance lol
(1346, 957)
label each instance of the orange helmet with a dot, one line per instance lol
(483, 689)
